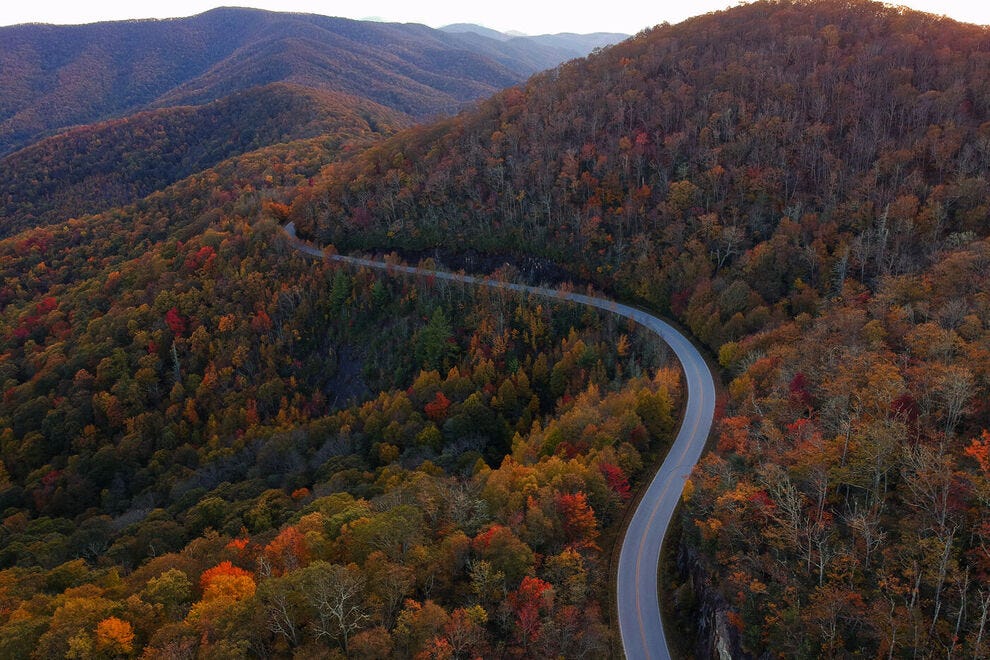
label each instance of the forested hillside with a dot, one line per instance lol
(804, 185)
(210, 444)
(208, 441)
(214, 447)
(97, 167)
(846, 502)
(54, 77)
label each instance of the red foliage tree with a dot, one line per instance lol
(577, 518)
(798, 390)
(533, 597)
(734, 437)
(202, 258)
(979, 450)
(616, 479)
(437, 408)
(175, 322)
(287, 551)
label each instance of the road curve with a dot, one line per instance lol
(638, 601)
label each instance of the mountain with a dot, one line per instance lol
(562, 46)
(208, 398)
(207, 443)
(96, 167)
(804, 186)
(58, 76)
(797, 125)
(212, 86)
(197, 422)
(578, 44)
(480, 30)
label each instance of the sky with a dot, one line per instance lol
(526, 16)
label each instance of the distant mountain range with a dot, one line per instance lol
(567, 45)
(54, 77)
(96, 116)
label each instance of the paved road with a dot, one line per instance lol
(638, 602)
(639, 607)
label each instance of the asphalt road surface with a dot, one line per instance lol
(638, 601)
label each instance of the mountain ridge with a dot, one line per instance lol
(59, 76)
(96, 167)
(569, 44)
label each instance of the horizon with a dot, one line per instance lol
(515, 16)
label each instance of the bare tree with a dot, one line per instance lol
(984, 601)
(956, 388)
(337, 594)
(280, 597)
(866, 523)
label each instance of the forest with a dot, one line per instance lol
(57, 77)
(804, 186)
(203, 455)
(101, 166)
(213, 447)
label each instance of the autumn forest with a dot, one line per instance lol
(212, 445)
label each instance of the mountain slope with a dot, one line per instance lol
(58, 76)
(183, 394)
(411, 68)
(804, 185)
(772, 110)
(94, 168)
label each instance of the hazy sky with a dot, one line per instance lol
(529, 16)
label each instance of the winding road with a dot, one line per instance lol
(638, 601)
